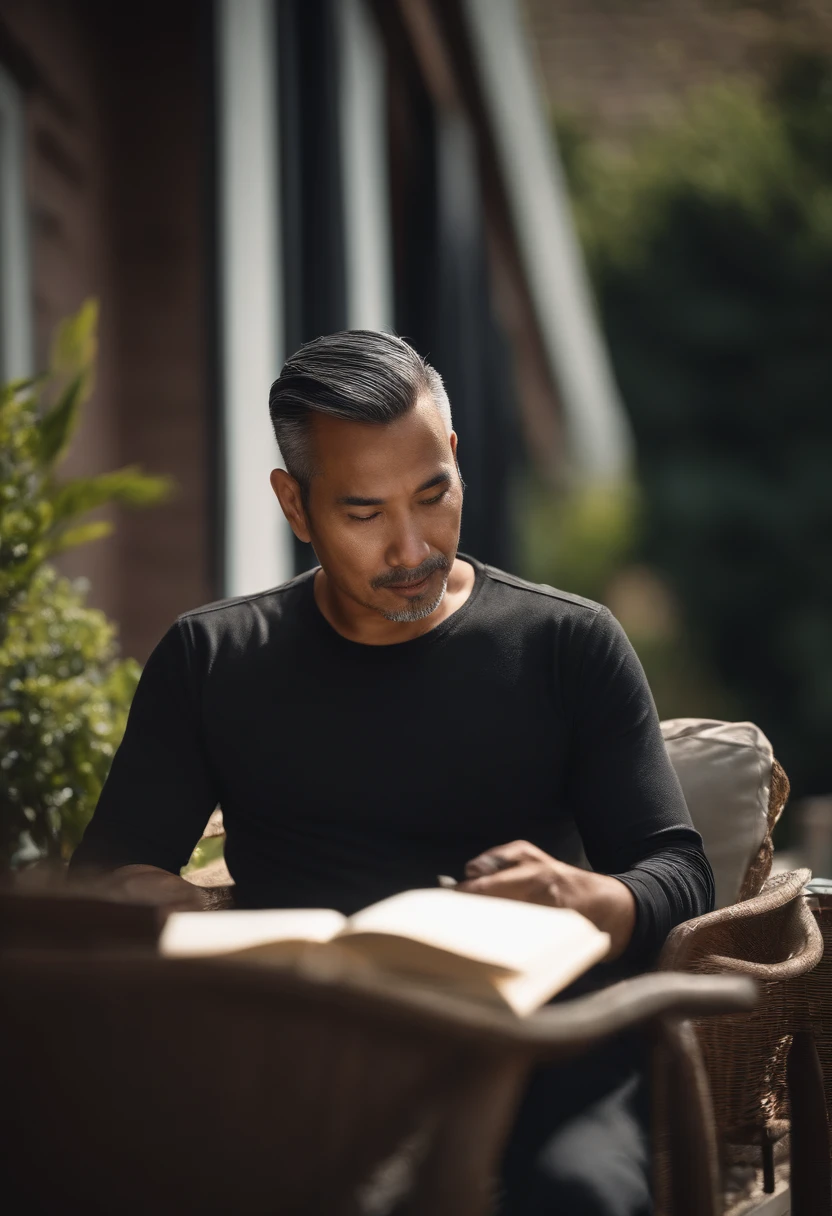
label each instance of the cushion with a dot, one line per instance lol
(725, 772)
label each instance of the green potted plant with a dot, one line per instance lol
(64, 690)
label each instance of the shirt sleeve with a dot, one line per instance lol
(626, 798)
(160, 791)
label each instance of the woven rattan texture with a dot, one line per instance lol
(772, 938)
(760, 867)
(766, 934)
(808, 1001)
(763, 935)
(745, 1055)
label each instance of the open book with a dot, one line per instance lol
(499, 950)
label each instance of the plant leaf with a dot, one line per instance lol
(14, 387)
(82, 535)
(74, 344)
(128, 486)
(58, 425)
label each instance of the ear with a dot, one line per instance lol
(288, 494)
(453, 440)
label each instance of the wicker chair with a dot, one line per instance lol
(754, 1062)
(134, 1084)
(763, 1067)
(811, 1006)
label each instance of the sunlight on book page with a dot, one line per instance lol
(501, 932)
(191, 934)
(527, 991)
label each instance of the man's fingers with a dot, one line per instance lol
(499, 858)
(518, 882)
(488, 863)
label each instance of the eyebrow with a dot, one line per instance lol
(352, 500)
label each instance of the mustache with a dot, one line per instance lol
(408, 577)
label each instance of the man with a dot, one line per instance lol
(404, 711)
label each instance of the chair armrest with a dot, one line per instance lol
(215, 880)
(771, 937)
(637, 1002)
(553, 1030)
(218, 899)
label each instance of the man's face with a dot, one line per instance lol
(385, 508)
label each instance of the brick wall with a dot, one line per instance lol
(118, 199)
(69, 259)
(158, 199)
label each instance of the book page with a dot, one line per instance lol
(504, 933)
(527, 991)
(191, 934)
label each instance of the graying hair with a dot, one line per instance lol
(360, 375)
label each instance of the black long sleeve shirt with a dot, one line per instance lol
(347, 772)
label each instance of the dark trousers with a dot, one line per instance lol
(581, 1144)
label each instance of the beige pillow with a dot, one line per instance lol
(725, 772)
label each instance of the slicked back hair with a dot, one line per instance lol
(360, 375)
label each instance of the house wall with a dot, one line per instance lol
(118, 186)
(158, 192)
(47, 47)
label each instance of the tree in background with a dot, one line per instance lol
(589, 540)
(710, 246)
(64, 693)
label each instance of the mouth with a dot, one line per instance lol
(409, 589)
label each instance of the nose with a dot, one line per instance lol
(407, 550)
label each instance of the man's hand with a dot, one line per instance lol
(147, 885)
(520, 870)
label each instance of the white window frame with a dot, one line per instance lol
(600, 437)
(15, 275)
(257, 540)
(364, 167)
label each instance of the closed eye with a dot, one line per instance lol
(426, 502)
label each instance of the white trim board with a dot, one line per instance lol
(600, 444)
(15, 285)
(258, 551)
(364, 168)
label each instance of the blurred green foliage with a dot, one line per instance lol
(64, 694)
(710, 247)
(588, 541)
(208, 850)
(583, 537)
